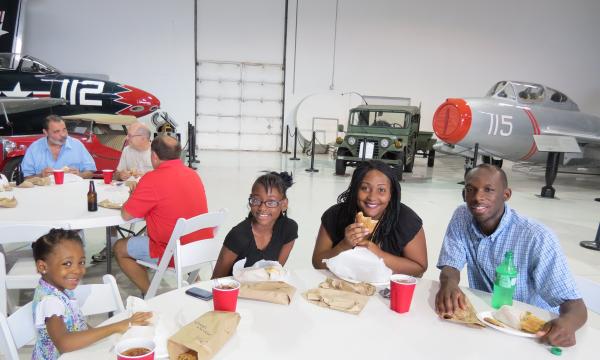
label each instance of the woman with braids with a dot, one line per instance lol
(398, 238)
(267, 233)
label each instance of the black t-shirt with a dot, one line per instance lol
(241, 241)
(409, 225)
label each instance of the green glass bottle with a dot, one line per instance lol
(505, 282)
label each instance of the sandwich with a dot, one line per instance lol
(531, 323)
(367, 222)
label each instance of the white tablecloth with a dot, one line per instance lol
(306, 331)
(64, 204)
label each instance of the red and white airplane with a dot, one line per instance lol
(504, 121)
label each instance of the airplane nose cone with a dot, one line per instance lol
(138, 102)
(452, 120)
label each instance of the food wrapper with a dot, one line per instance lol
(263, 270)
(525, 321)
(277, 292)
(359, 264)
(358, 288)
(337, 300)
(25, 184)
(4, 184)
(204, 336)
(109, 204)
(468, 316)
(8, 202)
(40, 181)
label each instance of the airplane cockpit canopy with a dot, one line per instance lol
(25, 64)
(531, 93)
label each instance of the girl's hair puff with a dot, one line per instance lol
(46, 243)
(274, 180)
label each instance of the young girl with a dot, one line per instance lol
(61, 327)
(267, 233)
(398, 237)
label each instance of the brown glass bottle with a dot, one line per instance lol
(92, 198)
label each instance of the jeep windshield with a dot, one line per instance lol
(378, 119)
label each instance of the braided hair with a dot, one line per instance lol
(389, 219)
(46, 243)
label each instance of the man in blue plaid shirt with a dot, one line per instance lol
(479, 234)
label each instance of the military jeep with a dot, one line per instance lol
(389, 133)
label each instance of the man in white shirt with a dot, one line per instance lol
(135, 161)
(135, 158)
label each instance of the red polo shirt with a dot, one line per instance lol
(162, 196)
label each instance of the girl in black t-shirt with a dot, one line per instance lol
(398, 238)
(267, 233)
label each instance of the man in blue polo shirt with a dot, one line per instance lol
(57, 151)
(479, 234)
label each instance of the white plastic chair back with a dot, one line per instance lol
(188, 257)
(23, 273)
(19, 330)
(590, 291)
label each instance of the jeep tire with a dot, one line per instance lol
(340, 167)
(430, 158)
(409, 160)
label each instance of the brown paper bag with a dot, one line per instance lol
(468, 316)
(206, 335)
(40, 181)
(8, 202)
(337, 300)
(277, 292)
(109, 204)
(26, 184)
(361, 288)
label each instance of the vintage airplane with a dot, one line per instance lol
(31, 89)
(504, 121)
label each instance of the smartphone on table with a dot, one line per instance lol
(199, 293)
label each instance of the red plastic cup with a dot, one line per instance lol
(135, 343)
(59, 176)
(108, 175)
(402, 288)
(225, 295)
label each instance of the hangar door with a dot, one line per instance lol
(239, 105)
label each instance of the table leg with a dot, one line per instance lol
(108, 250)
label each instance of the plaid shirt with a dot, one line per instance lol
(543, 280)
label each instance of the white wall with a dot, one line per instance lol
(433, 49)
(148, 44)
(427, 50)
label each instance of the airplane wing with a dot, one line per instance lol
(13, 105)
(580, 137)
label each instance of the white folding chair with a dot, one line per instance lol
(590, 291)
(189, 257)
(19, 330)
(23, 274)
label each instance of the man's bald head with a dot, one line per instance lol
(140, 129)
(166, 147)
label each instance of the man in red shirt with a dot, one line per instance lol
(169, 192)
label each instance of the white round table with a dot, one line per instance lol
(306, 331)
(64, 205)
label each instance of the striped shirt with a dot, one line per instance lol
(543, 277)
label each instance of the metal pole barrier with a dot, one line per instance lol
(592, 245)
(287, 138)
(312, 156)
(295, 144)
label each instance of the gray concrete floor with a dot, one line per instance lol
(432, 192)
